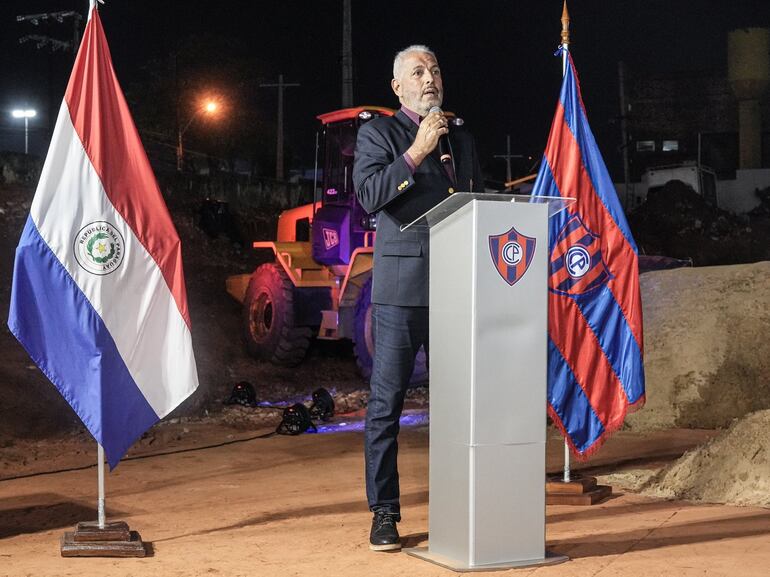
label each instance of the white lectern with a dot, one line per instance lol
(488, 347)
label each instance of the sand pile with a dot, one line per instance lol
(731, 468)
(707, 351)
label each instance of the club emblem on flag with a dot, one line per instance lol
(577, 265)
(512, 254)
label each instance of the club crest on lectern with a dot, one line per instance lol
(512, 254)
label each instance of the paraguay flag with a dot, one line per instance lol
(595, 370)
(98, 298)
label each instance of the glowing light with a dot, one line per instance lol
(26, 115)
(29, 113)
(209, 108)
(407, 420)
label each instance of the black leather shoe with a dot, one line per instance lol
(384, 535)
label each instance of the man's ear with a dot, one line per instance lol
(396, 86)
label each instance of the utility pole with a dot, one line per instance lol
(76, 19)
(281, 86)
(624, 109)
(347, 56)
(508, 156)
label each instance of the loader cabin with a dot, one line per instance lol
(340, 225)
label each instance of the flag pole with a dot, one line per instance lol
(564, 55)
(92, 5)
(100, 469)
(564, 38)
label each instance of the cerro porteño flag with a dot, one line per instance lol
(98, 296)
(595, 371)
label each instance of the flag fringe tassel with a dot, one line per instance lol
(584, 456)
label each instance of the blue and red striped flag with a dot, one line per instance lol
(98, 298)
(595, 347)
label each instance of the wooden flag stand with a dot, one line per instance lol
(99, 538)
(578, 490)
(113, 540)
(574, 489)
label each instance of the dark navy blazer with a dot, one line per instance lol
(385, 185)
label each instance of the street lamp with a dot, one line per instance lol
(26, 115)
(210, 107)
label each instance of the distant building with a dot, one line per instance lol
(670, 114)
(705, 120)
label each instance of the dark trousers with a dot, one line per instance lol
(399, 332)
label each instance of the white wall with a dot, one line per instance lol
(737, 195)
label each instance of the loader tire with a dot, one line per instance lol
(363, 339)
(268, 318)
(364, 343)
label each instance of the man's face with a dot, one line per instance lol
(419, 86)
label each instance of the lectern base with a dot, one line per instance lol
(459, 566)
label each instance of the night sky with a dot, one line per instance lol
(496, 56)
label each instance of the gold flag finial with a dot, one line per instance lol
(565, 25)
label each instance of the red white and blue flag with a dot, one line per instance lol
(595, 347)
(98, 297)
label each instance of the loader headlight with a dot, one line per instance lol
(369, 222)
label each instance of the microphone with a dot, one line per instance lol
(443, 144)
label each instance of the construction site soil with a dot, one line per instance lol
(706, 346)
(677, 222)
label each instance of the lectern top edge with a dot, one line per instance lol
(459, 199)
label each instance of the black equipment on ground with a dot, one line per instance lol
(296, 420)
(323, 405)
(242, 394)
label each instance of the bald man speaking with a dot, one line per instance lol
(404, 165)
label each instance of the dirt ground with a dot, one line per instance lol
(294, 506)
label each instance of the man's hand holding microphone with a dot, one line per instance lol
(433, 128)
